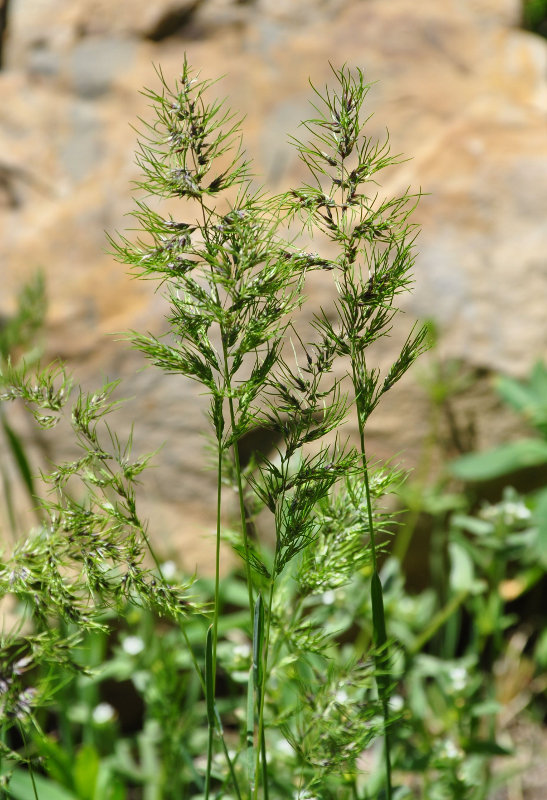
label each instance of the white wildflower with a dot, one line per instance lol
(133, 645)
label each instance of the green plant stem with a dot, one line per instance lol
(377, 602)
(237, 464)
(209, 762)
(217, 563)
(242, 513)
(228, 389)
(261, 698)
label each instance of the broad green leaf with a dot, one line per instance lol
(20, 788)
(86, 769)
(59, 760)
(479, 527)
(462, 577)
(528, 397)
(486, 747)
(108, 785)
(485, 709)
(501, 460)
(516, 394)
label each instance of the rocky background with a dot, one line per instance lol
(461, 88)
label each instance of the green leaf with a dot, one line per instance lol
(530, 398)
(485, 709)
(540, 519)
(540, 652)
(486, 747)
(462, 577)
(20, 788)
(108, 785)
(378, 617)
(501, 460)
(478, 527)
(59, 760)
(19, 456)
(86, 769)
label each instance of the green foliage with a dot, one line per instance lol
(530, 399)
(534, 15)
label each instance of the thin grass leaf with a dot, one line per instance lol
(20, 458)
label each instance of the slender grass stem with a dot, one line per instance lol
(378, 615)
(210, 702)
(242, 512)
(262, 696)
(209, 762)
(217, 562)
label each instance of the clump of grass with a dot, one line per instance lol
(235, 289)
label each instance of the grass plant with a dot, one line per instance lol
(286, 678)
(233, 286)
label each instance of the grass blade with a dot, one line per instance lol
(18, 452)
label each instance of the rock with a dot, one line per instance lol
(169, 20)
(96, 60)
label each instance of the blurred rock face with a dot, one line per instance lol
(461, 89)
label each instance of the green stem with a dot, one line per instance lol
(377, 600)
(242, 513)
(261, 699)
(209, 762)
(214, 636)
(217, 563)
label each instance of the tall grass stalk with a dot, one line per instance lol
(230, 290)
(375, 244)
(233, 286)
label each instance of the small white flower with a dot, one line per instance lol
(449, 750)
(396, 703)
(328, 597)
(458, 676)
(103, 713)
(341, 696)
(133, 645)
(516, 511)
(168, 570)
